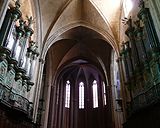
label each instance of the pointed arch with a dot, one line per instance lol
(108, 38)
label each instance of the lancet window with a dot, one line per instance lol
(95, 94)
(67, 95)
(81, 95)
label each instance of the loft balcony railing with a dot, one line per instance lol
(15, 101)
(145, 99)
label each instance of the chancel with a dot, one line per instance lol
(79, 64)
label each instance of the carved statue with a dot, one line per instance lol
(21, 26)
(32, 45)
(30, 21)
(17, 4)
(21, 22)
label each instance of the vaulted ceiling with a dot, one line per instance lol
(61, 15)
(80, 43)
(58, 16)
(76, 28)
(80, 28)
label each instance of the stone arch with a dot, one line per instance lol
(59, 32)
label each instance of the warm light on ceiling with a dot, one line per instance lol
(108, 8)
(127, 5)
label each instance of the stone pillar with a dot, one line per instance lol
(63, 105)
(86, 104)
(37, 89)
(56, 112)
(60, 104)
(47, 89)
(90, 102)
(51, 108)
(123, 88)
(101, 104)
(71, 112)
(75, 104)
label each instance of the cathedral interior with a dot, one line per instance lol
(79, 63)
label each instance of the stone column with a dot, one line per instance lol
(37, 89)
(75, 104)
(63, 105)
(60, 104)
(71, 116)
(100, 102)
(86, 103)
(44, 120)
(57, 105)
(90, 102)
(51, 109)
(123, 88)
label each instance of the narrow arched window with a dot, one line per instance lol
(67, 98)
(81, 95)
(104, 94)
(95, 94)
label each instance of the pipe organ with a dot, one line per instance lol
(140, 56)
(17, 60)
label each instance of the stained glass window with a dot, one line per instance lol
(104, 94)
(95, 94)
(67, 100)
(81, 95)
